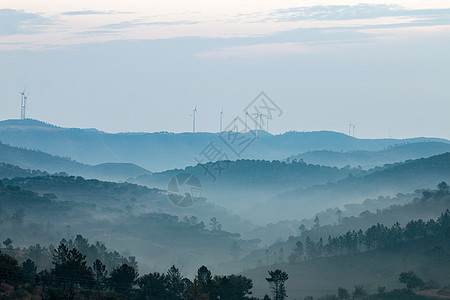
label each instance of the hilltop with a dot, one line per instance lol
(370, 159)
(387, 180)
(162, 150)
(37, 160)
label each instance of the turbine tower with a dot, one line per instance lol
(194, 112)
(246, 116)
(354, 125)
(267, 123)
(22, 94)
(25, 106)
(260, 120)
(350, 128)
(256, 123)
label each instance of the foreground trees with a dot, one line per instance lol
(376, 236)
(276, 281)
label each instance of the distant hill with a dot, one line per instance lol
(115, 171)
(119, 214)
(389, 180)
(37, 160)
(238, 184)
(370, 159)
(161, 151)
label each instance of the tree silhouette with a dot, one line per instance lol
(277, 281)
(29, 270)
(297, 253)
(71, 269)
(153, 286)
(443, 188)
(359, 292)
(9, 270)
(100, 272)
(232, 287)
(411, 280)
(8, 243)
(122, 279)
(343, 294)
(175, 283)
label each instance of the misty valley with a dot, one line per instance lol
(86, 214)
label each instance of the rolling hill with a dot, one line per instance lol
(37, 160)
(370, 159)
(162, 150)
(403, 177)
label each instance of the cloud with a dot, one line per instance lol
(19, 22)
(138, 23)
(352, 12)
(91, 12)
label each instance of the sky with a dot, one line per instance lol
(122, 66)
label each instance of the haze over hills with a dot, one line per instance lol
(162, 150)
(38, 160)
(388, 180)
(371, 159)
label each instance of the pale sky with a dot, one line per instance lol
(143, 65)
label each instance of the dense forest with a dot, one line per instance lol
(78, 270)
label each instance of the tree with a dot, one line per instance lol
(443, 188)
(216, 226)
(297, 253)
(233, 287)
(9, 270)
(316, 223)
(100, 272)
(411, 280)
(122, 278)
(343, 294)
(277, 281)
(71, 269)
(29, 270)
(301, 229)
(339, 215)
(359, 292)
(153, 286)
(175, 283)
(204, 279)
(8, 243)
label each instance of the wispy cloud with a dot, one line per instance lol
(139, 23)
(19, 22)
(91, 12)
(352, 12)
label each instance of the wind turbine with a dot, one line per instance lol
(267, 124)
(194, 112)
(22, 96)
(350, 128)
(246, 116)
(256, 123)
(221, 118)
(354, 125)
(234, 125)
(25, 98)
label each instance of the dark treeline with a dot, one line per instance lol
(377, 236)
(72, 276)
(42, 256)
